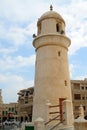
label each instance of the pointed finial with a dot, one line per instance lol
(51, 7)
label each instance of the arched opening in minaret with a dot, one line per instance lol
(59, 53)
(65, 83)
(39, 28)
(57, 27)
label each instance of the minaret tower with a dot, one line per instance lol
(52, 80)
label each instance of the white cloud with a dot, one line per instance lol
(20, 10)
(17, 36)
(81, 77)
(75, 16)
(3, 30)
(31, 28)
(9, 63)
(5, 51)
(20, 36)
(71, 69)
(12, 85)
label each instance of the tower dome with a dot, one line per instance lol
(51, 22)
(51, 14)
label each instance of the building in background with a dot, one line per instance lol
(9, 111)
(22, 110)
(25, 104)
(79, 96)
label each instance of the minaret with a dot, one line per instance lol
(52, 80)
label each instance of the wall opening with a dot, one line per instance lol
(59, 53)
(65, 83)
(39, 29)
(57, 27)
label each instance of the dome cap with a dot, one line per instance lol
(51, 14)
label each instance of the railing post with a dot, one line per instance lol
(61, 108)
(39, 124)
(61, 116)
(47, 110)
(68, 113)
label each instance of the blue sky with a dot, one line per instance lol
(18, 22)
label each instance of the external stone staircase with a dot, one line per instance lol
(59, 127)
(78, 124)
(61, 121)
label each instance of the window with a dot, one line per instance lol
(83, 98)
(76, 107)
(3, 113)
(26, 93)
(82, 88)
(58, 53)
(57, 27)
(12, 109)
(77, 96)
(76, 86)
(84, 107)
(31, 91)
(16, 112)
(39, 28)
(6, 112)
(26, 101)
(65, 83)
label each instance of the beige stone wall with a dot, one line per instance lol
(79, 87)
(48, 28)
